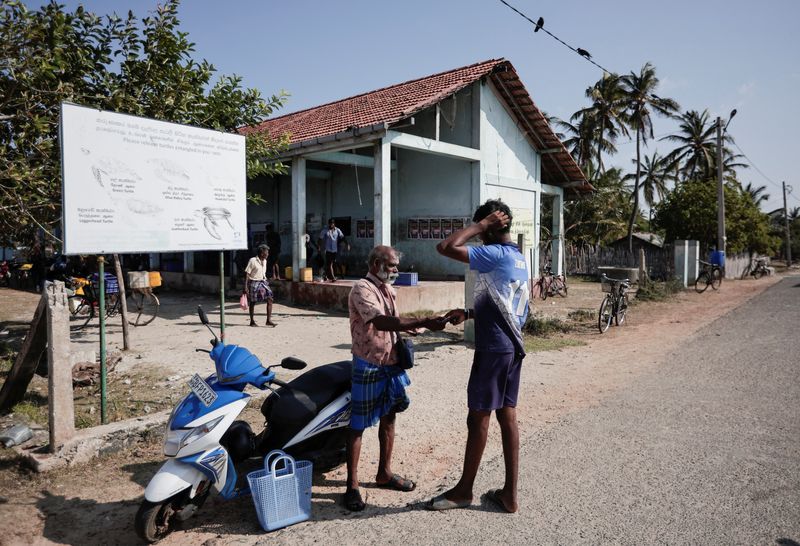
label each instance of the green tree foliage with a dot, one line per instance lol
(602, 217)
(141, 67)
(690, 212)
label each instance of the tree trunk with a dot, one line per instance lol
(635, 194)
(123, 303)
(600, 151)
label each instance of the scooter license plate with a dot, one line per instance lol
(201, 389)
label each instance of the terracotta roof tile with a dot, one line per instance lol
(394, 103)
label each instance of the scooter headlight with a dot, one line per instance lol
(200, 431)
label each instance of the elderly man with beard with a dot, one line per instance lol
(378, 383)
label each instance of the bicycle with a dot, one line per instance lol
(758, 268)
(143, 305)
(711, 275)
(615, 303)
(550, 285)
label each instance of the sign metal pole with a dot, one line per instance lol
(101, 262)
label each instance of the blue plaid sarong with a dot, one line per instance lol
(376, 391)
(258, 291)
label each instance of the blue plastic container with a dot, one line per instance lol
(281, 494)
(407, 279)
(717, 257)
(112, 286)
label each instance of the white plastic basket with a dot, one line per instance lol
(282, 491)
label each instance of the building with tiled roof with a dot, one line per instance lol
(407, 164)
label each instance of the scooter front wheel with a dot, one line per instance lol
(154, 520)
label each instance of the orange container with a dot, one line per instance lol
(155, 279)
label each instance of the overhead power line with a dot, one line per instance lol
(539, 25)
(759, 171)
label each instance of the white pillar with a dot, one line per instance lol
(188, 262)
(558, 234)
(298, 216)
(537, 233)
(383, 193)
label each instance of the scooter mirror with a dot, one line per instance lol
(202, 314)
(292, 363)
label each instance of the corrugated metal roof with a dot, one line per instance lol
(392, 104)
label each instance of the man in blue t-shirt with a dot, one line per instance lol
(500, 310)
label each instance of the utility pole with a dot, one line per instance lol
(720, 191)
(788, 231)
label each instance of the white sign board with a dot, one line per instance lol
(132, 184)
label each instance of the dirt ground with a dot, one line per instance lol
(95, 503)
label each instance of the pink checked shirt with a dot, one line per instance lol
(366, 302)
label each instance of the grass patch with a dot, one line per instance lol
(581, 315)
(546, 326)
(32, 410)
(540, 344)
(658, 291)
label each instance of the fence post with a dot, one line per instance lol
(59, 372)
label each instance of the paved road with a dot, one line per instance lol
(703, 449)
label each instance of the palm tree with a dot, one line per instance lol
(579, 137)
(607, 114)
(757, 194)
(639, 101)
(696, 153)
(655, 172)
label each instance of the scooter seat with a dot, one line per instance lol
(306, 395)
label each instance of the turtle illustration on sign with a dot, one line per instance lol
(212, 217)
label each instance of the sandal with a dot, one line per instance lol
(398, 483)
(253, 323)
(271, 324)
(352, 500)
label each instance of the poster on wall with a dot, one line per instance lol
(361, 229)
(436, 228)
(413, 228)
(132, 184)
(424, 228)
(458, 223)
(370, 229)
(447, 227)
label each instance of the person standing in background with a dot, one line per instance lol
(329, 240)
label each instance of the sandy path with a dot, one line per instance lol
(96, 503)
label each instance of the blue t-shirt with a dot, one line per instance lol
(331, 238)
(501, 297)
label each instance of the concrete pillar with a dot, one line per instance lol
(558, 235)
(537, 234)
(383, 193)
(479, 194)
(298, 216)
(59, 372)
(188, 262)
(469, 302)
(687, 254)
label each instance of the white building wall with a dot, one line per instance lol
(510, 169)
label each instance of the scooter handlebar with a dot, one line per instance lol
(279, 383)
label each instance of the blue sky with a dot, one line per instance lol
(710, 54)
